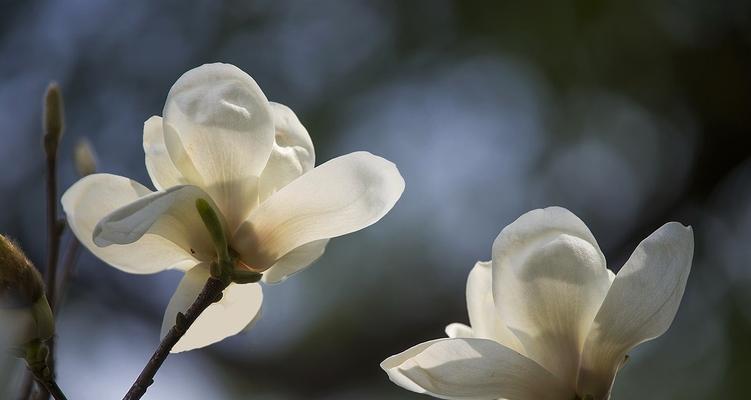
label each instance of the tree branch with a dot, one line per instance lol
(211, 293)
(53, 130)
(54, 230)
(68, 267)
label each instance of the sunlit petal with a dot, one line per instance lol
(219, 132)
(457, 330)
(340, 196)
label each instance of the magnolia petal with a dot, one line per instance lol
(611, 276)
(218, 118)
(223, 119)
(295, 261)
(171, 214)
(484, 318)
(549, 279)
(340, 196)
(292, 154)
(465, 368)
(235, 312)
(162, 171)
(95, 196)
(640, 305)
(457, 330)
(179, 156)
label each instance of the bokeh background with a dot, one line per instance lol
(629, 113)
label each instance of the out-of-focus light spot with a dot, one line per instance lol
(310, 47)
(465, 137)
(113, 350)
(592, 176)
(610, 161)
(728, 232)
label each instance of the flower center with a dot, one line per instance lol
(238, 263)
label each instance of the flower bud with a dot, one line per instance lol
(84, 158)
(25, 314)
(20, 283)
(53, 119)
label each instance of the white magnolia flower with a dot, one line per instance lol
(219, 139)
(548, 319)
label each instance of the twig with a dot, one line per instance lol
(53, 120)
(54, 230)
(53, 131)
(68, 267)
(211, 293)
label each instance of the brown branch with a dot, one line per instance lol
(53, 128)
(68, 267)
(54, 230)
(211, 293)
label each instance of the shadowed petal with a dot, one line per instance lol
(295, 261)
(484, 318)
(95, 196)
(473, 369)
(549, 279)
(292, 155)
(163, 172)
(640, 305)
(171, 214)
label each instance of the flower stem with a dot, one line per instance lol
(211, 292)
